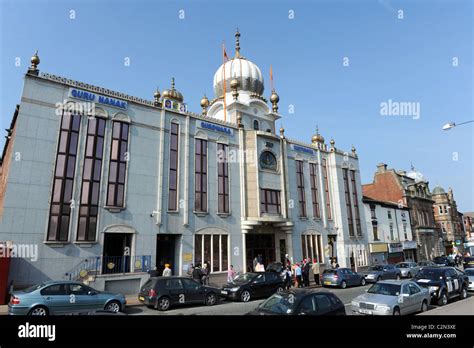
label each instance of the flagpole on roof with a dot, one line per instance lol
(224, 55)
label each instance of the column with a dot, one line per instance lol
(289, 245)
(244, 251)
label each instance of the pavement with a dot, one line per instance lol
(457, 307)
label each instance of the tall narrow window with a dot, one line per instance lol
(118, 165)
(355, 201)
(348, 202)
(326, 189)
(392, 237)
(60, 211)
(173, 178)
(256, 126)
(200, 191)
(314, 189)
(372, 212)
(375, 232)
(223, 179)
(91, 176)
(270, 201)
(300, 188)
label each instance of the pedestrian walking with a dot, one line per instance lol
(230, 274)
(298, 275)
(197, 273)
(305, 272)
(205, 273)
(255, 261)
(287, 277)
(167, 271)
(316, 271)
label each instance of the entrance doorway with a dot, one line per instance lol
(165, 252)
(260, 244)
(117, 251)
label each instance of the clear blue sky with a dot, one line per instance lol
(389, 58)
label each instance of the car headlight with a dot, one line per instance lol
(382, 308)
(234, 289)
(434, 288)
(355, 304)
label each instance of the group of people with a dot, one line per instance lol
(299, 273)
(200, 272)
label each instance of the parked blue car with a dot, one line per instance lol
(342, 277)
(63, 297)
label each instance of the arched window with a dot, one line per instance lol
(256, 126)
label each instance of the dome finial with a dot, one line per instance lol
(317, 138)
(204, 104)
(35, 60)
(274, 98)
(157, 96)
(172, 83)
(237, 44)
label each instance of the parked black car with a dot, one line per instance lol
(444, 283)
(301, 302)
(252, 285)
(468, 262)
(164, 292)
(444, 261)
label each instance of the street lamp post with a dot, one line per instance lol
(450, 125)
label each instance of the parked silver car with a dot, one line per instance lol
(408, 269)
(381, 272)
(392, 297)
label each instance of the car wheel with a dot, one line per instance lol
(245, 296)
(113, 306)
(39, 310)
(163, 303)
(362, 282)
(443, 299)
(211, 299)
(424, 306)
(463, 294)
(396, 311)
(280, 289)
(343, 284)
(398, 276)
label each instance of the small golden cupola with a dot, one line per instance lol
(173, 93)
(317, 138)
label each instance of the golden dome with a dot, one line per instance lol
(35, 60)
(204, 102)
(173, 93)
(317, 138)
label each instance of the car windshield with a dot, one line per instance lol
(469, 271)
(329, 271)
(244, 277)
(431, 273)
(403, 265)
(33, 288)
(375, 268)
(439, 259)
(281, 303)
(385, 289)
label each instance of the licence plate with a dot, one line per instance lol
(141, 298)
(223, 292)
(327, 282)
(365, 311)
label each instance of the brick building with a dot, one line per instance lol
(447, 218)
(410, 190)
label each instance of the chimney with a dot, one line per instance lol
(381, 168)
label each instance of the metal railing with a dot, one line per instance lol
(93, 266)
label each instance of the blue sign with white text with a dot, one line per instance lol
(99, 99)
